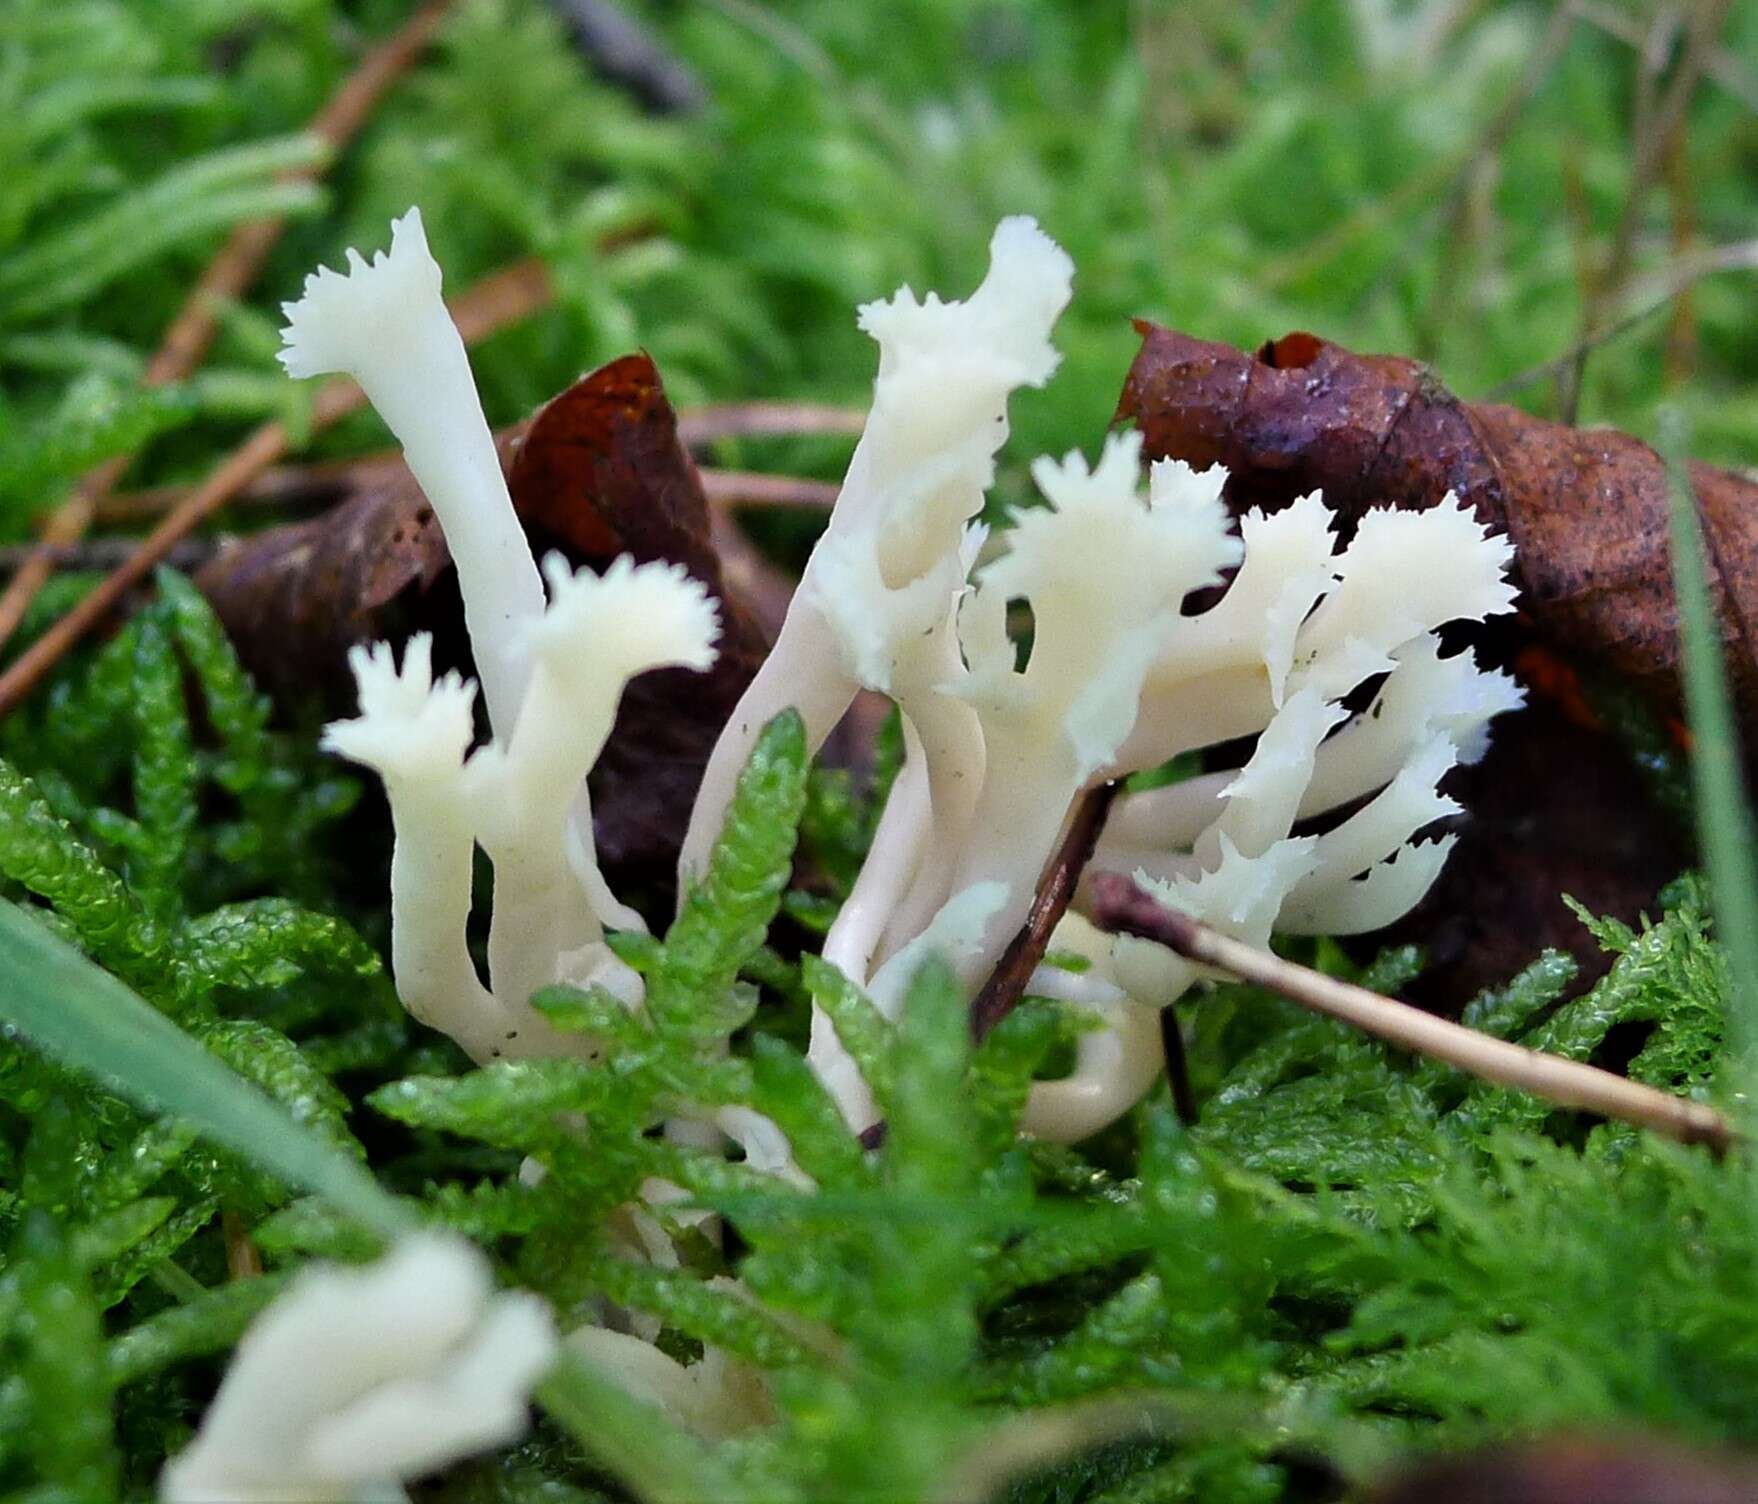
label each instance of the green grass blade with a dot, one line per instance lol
(91, 1022)
(1724, 821)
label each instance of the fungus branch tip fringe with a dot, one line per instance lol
(1121, 906)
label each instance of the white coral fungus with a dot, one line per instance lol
(875, 608)
(552, 675)
(385, 324)
(356, 1379)
(1118, 678)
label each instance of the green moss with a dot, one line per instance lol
(1354, 1251)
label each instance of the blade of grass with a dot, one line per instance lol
(89, 1021)
(1724, 821)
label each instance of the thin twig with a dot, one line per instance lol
(97, 555)
(1681, 336)
(1742, 256)
(1002, 992)
(236, 264)
(232, 270)
(323, 483)
(766, 588)
(741, 420)
(503, 298)
(292, 487)
(1120, 905)
(623, 50)
(1177, 1066)
(1720, 66)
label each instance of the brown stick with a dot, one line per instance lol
(236, 264)
(1177, 1066)
(1720, 65)
(278, 486)
(1120, 906)
(233, 268)
(1001, 993)
(96, 555)
(503, 298)
(765, 587)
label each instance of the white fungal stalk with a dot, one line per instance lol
(552, 675)
(356, 1379)
(717, 1396)
(516, 798)
(875, 605)
(598, 633)
(413, 733)
(1105, 575)
(1116, 1062)
(385, 324)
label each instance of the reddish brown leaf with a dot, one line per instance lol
(1585, 508)
(295, 598)
(1556, 806)
(602, 471)
(597, 472)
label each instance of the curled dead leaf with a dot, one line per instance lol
(598, 471)
(1556, 807)
(1586, 508)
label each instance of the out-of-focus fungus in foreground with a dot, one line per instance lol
(356, 1379)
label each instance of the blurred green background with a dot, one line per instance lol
(1480, 184)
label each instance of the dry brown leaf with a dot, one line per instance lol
(597, 472)
(1556, 806)
(1586, 508)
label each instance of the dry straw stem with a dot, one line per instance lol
(1645, 298)
(505, 297)
(1719, 65)
(228, 275)
(242, 1259)
(748, 488)
(1120, 906)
